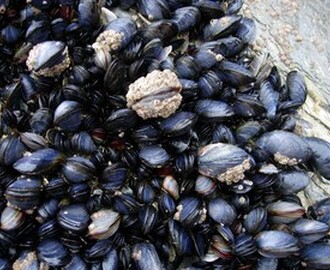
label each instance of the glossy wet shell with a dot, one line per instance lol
(48, 51)
(225, 162)
(284, 147)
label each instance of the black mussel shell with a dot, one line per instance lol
(78, 169)
(320, 155)
(277, 244)
(53, 253)
(145, 256)
(291, 151)
(68, 116)
(224, 162)
(316, 255)
(154, 156)
(221, 211)
(73, 217)
(38, 162)
(11, 150)
(178, 123)
(24, 193)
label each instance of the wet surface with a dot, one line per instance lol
(296, 33)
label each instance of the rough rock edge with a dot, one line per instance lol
(155, 83)
(47, 72)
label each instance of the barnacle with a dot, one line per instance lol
(156, 95)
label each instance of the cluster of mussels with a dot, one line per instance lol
(148, 135)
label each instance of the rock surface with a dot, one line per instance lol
(296, 34)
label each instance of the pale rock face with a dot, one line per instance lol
(156, 95)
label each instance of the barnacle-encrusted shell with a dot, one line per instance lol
(284, 160)
(48, 71)
(109, 40)
(30, 260)
(225, 162)
(156, 95)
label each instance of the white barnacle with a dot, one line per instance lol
(156, 95)
(108, 40)
(284, 160)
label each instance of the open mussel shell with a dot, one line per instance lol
(225, 162)
(277, 244)
(316, 256)
(309, 231)
(39, 162)
(24, 193)
(104, 224)
(73, 217)
(291, 151)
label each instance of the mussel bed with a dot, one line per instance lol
(149, 135)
